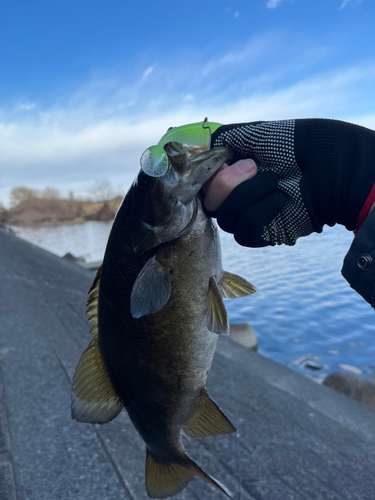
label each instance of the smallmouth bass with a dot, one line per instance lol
(156, 309)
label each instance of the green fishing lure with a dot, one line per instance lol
(154, 161)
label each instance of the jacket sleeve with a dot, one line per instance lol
(359, 263)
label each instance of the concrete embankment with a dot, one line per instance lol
(296, 439)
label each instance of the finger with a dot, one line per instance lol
(208, 183)
(250, 227)
(226, 180)
(243, 196)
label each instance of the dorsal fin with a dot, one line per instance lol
(207, 419)
(217, 320)
(233, 286)
(94, 399)
(96, 279)
(92, 302)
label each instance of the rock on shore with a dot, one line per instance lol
(353, 387)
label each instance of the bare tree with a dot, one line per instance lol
(20, 194)
(101, 190)
(50, 193)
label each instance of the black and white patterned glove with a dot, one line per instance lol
(310, 173)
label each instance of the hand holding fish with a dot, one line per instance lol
(310, 173)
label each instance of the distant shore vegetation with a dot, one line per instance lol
(30, 207)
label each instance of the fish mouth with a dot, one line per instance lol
(202, 168)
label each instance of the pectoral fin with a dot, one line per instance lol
(151, 290)
(93, 399)
(208, 419)
(232, 286)
(217, 321)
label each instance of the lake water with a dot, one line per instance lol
(304, 315)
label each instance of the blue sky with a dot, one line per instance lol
(86, 86)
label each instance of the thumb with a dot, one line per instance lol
(226, 179)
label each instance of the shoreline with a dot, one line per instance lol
(52, 223)
(39, 211)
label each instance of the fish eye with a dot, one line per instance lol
(143, 178)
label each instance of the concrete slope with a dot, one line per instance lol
(296, 440)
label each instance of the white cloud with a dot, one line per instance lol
(346, 2)
(73, 135)
(101, 130)
(27, 106)
(126, 104)
(246, 54)
(147, 72)
(272, 4)
(236, 14)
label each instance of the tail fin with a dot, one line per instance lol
(166, 479)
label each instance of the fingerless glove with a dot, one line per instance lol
(312, 172)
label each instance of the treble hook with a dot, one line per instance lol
(209, 130)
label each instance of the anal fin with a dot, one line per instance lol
(217, 321)
(166, 479)
(233, 286)
(94, 399)
(207, 420)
